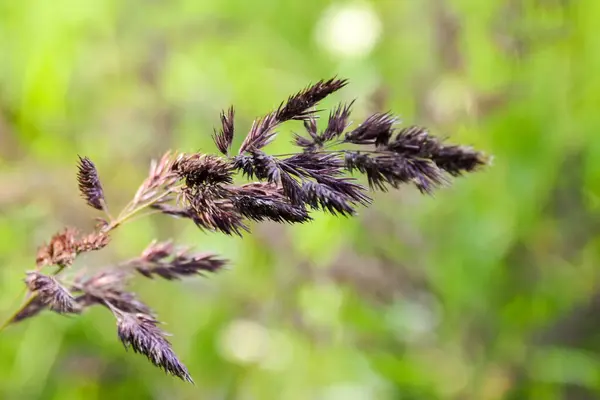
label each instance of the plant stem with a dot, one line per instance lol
(9, 320)
(125, 215)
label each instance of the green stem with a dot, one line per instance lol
(124, 216)
(9, 320)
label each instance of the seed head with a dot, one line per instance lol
(89, 184)
(51, 293)
(141, 333)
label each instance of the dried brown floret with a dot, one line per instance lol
(93, 241)
(61, 250)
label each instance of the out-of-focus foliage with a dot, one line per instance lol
(489, 290)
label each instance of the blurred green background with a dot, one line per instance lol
(488, 290)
